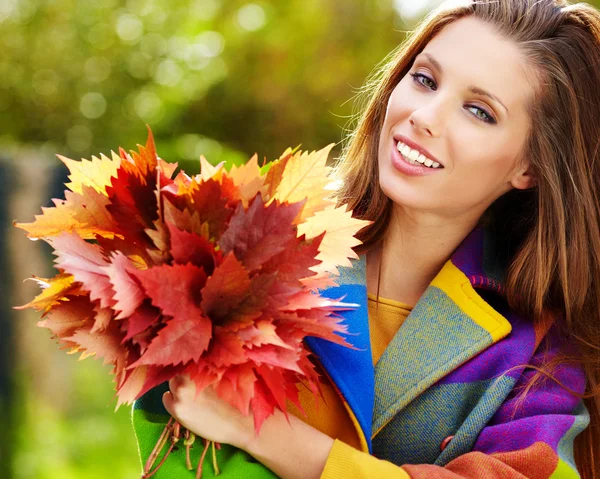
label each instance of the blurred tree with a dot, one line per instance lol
(80, 77)
(83, 76)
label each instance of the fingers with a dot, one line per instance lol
(182, 388)
(167, 399)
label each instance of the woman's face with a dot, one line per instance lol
(440, 108)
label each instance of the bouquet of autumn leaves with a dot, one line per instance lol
(215, 276)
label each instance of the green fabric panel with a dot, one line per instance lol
(419, 356)
(459, 410)
(564, 471)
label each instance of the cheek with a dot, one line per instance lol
(397, 106)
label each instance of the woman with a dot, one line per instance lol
(476, 157)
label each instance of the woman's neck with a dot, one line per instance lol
(411, 253)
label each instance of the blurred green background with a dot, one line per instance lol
(220, 78)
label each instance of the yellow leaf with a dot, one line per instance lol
(305, 177)
(84, 214)
(207, 170)
(247, 179)
(339, 228)
(55, 289)
(95, 173)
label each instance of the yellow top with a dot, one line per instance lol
(385, 318)
(332, 418)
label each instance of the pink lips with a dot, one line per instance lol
(416, 146)
(403, 166)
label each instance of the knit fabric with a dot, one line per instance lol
(385, 318)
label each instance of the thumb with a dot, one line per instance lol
(167, 399)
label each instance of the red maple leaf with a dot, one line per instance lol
(259, 233)
(225, 289)
(175, 289)
(192, 248)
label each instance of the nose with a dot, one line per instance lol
(417, 125)
(428, 119)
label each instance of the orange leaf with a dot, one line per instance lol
(84, 214)
(247, 179)
(55, 289)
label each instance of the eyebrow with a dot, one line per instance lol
(472, 89)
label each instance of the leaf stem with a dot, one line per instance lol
(174, 439)
(190, 437)
(214, 458)
(201, 462)
(157, 448)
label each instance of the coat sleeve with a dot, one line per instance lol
(528, 437)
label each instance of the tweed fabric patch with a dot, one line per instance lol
(420, 355)
(459, 410)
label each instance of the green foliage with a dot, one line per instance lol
(88, 440)
(209, 76)
(220, 78)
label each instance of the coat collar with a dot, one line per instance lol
(450, 324)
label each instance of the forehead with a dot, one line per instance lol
(472, 53)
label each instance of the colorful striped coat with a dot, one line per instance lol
(443, 399)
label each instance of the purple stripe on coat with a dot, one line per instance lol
(468, 257)
(522, 433)
(517, 347)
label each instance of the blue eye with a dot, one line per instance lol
(421, 80)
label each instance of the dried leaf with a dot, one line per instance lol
(336, 246)
(86, 215)
(96, 173)
(304, 179)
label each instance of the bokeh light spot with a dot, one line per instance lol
(168, 73)
(100, 36)
(45, 82)
(97, 69)
(148, 106)
(213, 42)
(79, 138)
(129, 28)
(191, 146)
(138, 65)
(251, 17)
(153, 44)
(92, 105)
(204, 9)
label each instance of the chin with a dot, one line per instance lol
(402, 193)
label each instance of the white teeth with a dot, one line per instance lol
(414, 157)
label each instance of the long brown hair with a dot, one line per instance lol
(554, 259)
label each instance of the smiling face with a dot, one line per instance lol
(442, 108)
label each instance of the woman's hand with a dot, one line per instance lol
(289, 447)
(207, 415)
